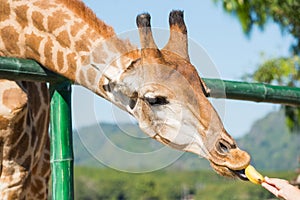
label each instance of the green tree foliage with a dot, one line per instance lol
(108, 184)
(270, 145)
(268, 139)
(257, 12)
(280, 71)
(283, 71)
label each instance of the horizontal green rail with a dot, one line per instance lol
(22, 69)
(26, 70)
(258, 92)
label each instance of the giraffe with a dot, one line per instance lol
(24, 120)
(159, 87)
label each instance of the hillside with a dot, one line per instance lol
(103, 183)
(90, 143)
(271, 145)
(268, 142)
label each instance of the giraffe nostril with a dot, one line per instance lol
(223, 148)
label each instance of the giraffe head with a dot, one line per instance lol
(163, 91)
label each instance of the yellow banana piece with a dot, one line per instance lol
(253, 175)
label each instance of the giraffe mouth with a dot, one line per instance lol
(226, 171)
(241, 174)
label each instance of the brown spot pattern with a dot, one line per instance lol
(63, 39)
(82, 78)
(91, 75)
(91, 35)
(21, 15)
(89, 17)
(77, 26)
(60, 59)
(41, 120)
(10, 38)
(17, 128)
(57, 20)
(84, 60)
(4, 10)
(45, 159)
(37, 19)
(44, 5)
(23, 146)
(72, 65)
(34, 102)
(14, 98)
(35, 187)
(3, 123)
(32, 43)
(81, 45)
(48, 53)
(34, 135)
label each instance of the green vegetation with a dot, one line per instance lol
(258, 13)
(268, 142)
(270, 145)
(273, 151)
(106, 184)
(282, 70)
(129, 138)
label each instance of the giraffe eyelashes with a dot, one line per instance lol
(157, 101)
(152, 101)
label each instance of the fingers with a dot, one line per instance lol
(276, 182)
(270, 188)
(281, 188)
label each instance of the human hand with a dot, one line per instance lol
(281, 188)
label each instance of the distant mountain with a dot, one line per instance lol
(90, 143)
(269, 142)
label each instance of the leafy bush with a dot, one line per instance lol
(92, 184)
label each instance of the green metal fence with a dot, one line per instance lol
(61, 121)
(61, 146)
(61, 143)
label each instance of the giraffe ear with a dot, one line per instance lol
(149, 49)
(178, 41)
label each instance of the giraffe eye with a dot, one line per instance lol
(157, 101)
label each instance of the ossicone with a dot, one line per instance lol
(149, 49)
(178, 41)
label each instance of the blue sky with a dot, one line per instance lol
(217, 33)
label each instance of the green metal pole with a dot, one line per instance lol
(22, 69)
(258, 92)
(61, 157)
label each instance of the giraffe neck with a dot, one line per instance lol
(66, 37)
(106, 61)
